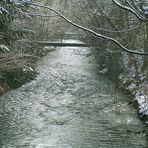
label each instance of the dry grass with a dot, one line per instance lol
(15, 70)
(10, 62)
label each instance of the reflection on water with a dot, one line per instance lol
(69, 106)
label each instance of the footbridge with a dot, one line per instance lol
(50, 41)
(62, 44)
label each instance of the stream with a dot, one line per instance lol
(69, 105)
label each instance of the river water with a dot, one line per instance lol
(69, 105)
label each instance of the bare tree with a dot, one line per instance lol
(126, 5)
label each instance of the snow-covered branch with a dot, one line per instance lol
(131, 9)
(136, 9)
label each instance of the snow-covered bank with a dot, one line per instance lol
(134, 80)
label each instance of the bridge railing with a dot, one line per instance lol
(61, 36)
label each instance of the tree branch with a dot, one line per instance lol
(121, 31)
(135, 9)
(40, 15)
(139, 16)
(89, 30)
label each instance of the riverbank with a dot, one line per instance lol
(130, 72)
(134, 80)
(139, 93)
(18, 67)
(15, 70)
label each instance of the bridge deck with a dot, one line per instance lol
(58, 44)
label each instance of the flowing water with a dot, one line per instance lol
(69, 105)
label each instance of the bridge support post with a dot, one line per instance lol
(62, 36)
